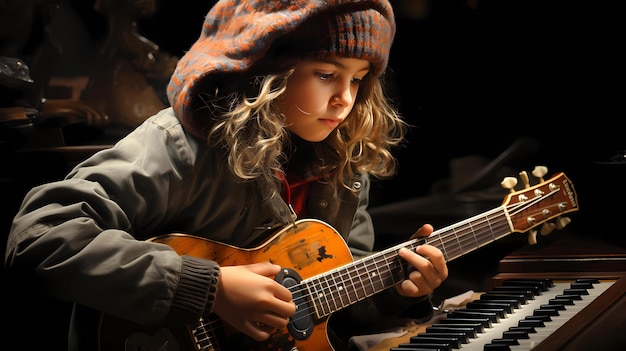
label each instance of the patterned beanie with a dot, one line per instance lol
(239, 34)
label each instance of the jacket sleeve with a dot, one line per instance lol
(84, 237)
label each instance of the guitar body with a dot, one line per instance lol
(309, 247)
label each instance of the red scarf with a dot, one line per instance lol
(296, 192)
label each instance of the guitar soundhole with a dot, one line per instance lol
(301, 324)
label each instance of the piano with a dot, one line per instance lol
(570, 295)
(530, 314)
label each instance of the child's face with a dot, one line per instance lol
(320, 95)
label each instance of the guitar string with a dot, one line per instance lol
(453, 236)
(209, 338)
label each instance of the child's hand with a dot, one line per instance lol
(430, 267)
(250, 300)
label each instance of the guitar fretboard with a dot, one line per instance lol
(354, 282)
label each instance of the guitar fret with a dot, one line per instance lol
(377, 281)
(443, 247)
(371, 273)
(363, 272)
(351, 295)
(397, 272)
(316, 296)
(471, 230)
(484, 239)
(337, 290)
(326, 295)
(460, 250)
(357, 283)
(348, 286)
(340, 289)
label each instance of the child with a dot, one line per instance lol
(277, 115)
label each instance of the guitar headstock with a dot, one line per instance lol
(539, 204)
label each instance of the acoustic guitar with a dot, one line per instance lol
(319, 271)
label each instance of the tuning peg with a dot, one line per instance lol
(524, 176)
(509, 183)
(562, 222)
(532, 237)
(539, 172)
(547, 228)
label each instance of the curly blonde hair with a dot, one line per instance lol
(252, 132)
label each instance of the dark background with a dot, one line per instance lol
(472, 77)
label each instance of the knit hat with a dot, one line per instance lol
(238, 34)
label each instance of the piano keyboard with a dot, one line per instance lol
(518, 315)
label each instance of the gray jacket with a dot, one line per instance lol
(85, 236)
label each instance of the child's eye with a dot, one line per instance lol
(324, 76)
(356, 81)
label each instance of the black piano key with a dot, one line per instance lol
(545, 312)
(474, 314)
(556, 306)
(429, 347)
(429, 339)
(543, 284)
(543, 318)
(588, 280)
(478, 304)
(505, 341)
(516, 303)
(575, 292)
(470, 332)
(531, 323)
(529, 292)
(558, 301)
(494, 295)
(529, 330)
(497, 312)
(573, 297)
(581, 285)
(409, 348)
(485, 322)
(477, 326)
(463, 338)
(515, 334)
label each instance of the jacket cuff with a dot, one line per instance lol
(196, 290)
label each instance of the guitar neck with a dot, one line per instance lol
(466, 236)
(521, 211)
(354, 282)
